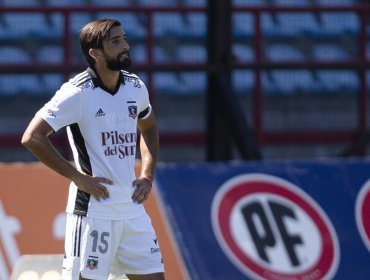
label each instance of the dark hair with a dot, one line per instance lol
(93, 34)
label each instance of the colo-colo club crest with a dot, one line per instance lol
(92, 263)
(132, 111)
(270, 229)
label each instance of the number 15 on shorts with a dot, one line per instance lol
(99, 250)
(99, 241)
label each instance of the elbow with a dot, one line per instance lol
(26, 140)
(29, 139)
(35, 133)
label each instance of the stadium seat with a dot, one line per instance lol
(51, 83)
(130, 21)
(139, 54)
(335, 2)
(195, 24)
(243, 81)
(10, 54)
(21, 25)
(294, 24)
(193, 83)
(338, 80)
(269, 26)
(293, 81)
(56, 23)
(112, 3)
(283, 52)
(161, 55)
(155, 3)
(250, 2)
(30, 84)
(9, 85)
(339, 23)
(14, 84)
(191, 53)
(166, 82)
(20, 3)
(168, 24)
(78, 20)
(329, 52)
(193, 3)
(243, 25)
(291, 2)
(242, 53)
(268, 85)
(57, 3)
(50, 54)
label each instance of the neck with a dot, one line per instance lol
(108, 77)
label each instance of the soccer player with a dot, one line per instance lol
(108, 232)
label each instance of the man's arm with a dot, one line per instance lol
(35, 139)
(149, 147)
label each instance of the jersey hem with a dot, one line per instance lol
(139, 212)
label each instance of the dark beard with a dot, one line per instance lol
(117, 64)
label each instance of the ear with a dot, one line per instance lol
(94, 53)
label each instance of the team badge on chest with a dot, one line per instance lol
(132, 111)
(92, 263)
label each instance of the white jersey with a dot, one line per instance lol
(102, 131)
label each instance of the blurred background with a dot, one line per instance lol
(241, 79)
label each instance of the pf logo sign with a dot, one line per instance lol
(363, 213)
(271, 229)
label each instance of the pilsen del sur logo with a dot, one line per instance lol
(119, 144)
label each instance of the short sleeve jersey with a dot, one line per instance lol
(102, 131)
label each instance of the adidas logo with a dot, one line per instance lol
(99, 113)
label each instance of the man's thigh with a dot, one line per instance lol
(90, 247)
(139, 252)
